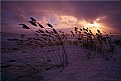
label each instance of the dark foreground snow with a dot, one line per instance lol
(79, 68)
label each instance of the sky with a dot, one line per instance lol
(103, 15)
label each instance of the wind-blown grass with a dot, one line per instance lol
(52, 43)
(98, 43)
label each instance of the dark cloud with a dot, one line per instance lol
(20, 11)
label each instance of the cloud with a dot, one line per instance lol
(15, 12)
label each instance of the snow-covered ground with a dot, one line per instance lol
(91, 70)
(80, 68)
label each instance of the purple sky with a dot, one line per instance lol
(15, 12)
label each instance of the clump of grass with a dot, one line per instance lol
(98, 43)
(42, 38)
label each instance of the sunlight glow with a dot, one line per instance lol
(87, 24)
(93, 25)
(64, 21)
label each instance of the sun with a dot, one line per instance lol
(92, 25)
